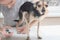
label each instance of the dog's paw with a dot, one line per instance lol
(39, 38)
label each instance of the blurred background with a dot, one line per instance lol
(50, 26)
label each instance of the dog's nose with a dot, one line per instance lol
(43, 9)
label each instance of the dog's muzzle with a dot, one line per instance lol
(43, 11)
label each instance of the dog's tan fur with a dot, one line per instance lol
(33, 19)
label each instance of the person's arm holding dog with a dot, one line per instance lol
(8, 3)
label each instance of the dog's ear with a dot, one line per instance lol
(35, 4)
(47, 3)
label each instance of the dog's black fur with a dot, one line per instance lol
(28, 7)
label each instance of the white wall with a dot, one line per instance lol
(1, 15)
(54, 11)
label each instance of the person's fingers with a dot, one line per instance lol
(21, 28)
(23, 32)
(11, 4)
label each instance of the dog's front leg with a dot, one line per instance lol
(27, 26)
(27, 32)
(38, 30)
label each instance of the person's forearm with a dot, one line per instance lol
(8, 3)
(5, 2)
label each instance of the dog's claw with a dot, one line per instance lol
(16, 20)
(27, 38)
(39, 38)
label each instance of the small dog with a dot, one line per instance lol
(31, 10)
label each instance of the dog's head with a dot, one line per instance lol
(41, 7)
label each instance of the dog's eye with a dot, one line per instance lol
(39, 5)
(46, 5)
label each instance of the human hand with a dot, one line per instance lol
(22, 30)
(6, 34)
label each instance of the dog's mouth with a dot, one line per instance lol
(43, 13)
